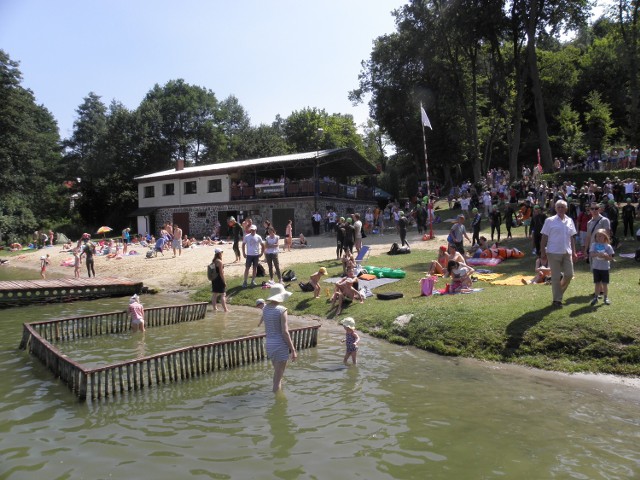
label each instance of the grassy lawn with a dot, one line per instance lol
(502, 323)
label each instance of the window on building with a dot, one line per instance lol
(149, 192)
(190, 188)
(169, 189)
(215, 185)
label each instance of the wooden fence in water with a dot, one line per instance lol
(173, 366)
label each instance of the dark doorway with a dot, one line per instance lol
(223, 218)
(280, 218)
(182, 220)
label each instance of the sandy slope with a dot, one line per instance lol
(185, 271)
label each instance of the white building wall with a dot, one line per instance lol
(179, 198)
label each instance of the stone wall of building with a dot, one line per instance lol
(203, 217)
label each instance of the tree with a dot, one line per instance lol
(628, 23)
(312, 129)
(598, 122)
(83, 155)
(570, 136)
(261, 141)
(180, 121)
(30, 184)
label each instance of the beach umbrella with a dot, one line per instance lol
(104, 230)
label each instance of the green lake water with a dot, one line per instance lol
(400, 414)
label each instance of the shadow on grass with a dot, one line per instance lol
(584, 300)
(517, 328)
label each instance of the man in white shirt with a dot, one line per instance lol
(252, 250)
(486, 201)
(558, 246)
(357, 227)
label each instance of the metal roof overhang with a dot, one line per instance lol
(142, 211)
(340, 163)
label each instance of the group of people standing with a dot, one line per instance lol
(252, 248)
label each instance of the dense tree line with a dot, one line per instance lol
(111, 144)
(498, 80)
(501, 80)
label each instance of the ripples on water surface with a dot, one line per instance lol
(401, 413)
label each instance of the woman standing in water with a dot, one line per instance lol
(218, 282)
(278, 342)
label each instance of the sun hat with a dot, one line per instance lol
(217, 250)
(231, 219)
(253, 227)
(260, 301)
(349, 220)
(323, 270)
(628, 200)
(443, 248)
(536, 207)
(475, 210)
(134, 298)
(280, 294)
(401, 213)
(348, 322)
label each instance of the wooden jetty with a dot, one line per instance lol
(173, 366)
(24, 292)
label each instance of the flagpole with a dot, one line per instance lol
(426, 169)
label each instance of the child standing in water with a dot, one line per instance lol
(600, 256)
(351, 339)
(137, 314)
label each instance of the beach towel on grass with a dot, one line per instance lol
(485, 262)
(487, 277)
(515, 280)
(371, 284)
(465, 290)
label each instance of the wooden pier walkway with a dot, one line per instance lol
(24, 292)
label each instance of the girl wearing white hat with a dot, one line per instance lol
(278, 341)
(136, 310)
(351, 339)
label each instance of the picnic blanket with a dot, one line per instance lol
(371, 284)
(486, 262)
(627, 255)
(444, 291)
(487, 277)
(515, 280)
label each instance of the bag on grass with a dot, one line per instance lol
(426, 285)
(306, 286)
(260, 272)
(288, 276)
(389, 295)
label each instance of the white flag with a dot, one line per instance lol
(425, 119)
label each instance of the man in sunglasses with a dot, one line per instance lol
(597, 222)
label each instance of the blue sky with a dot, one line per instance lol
(275, 56)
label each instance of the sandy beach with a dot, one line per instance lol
(185, 272)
